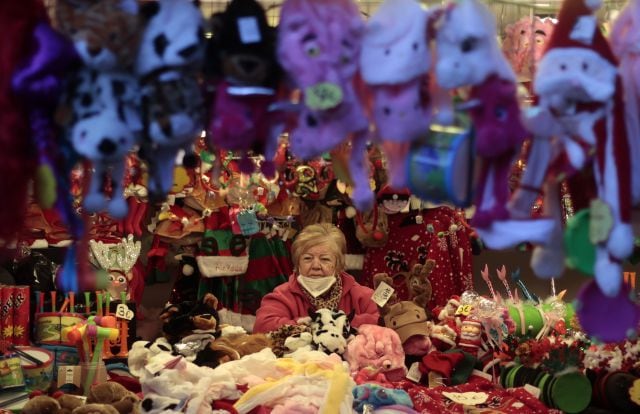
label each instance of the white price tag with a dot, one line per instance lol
(414, 373)
(382, 294)
(249, 30)
(155, 367)
(535, 391)
(68, 375)
(123, 312)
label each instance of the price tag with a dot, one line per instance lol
(249, 30)
(535, 391)
(382, 294)
(414, 373)
(323, 96)
(601, 221)
(464, 310)
(123, 312)
(69, 375)
(467, 398)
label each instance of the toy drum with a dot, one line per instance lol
(440, 168)
(50, 325)
(37, 376)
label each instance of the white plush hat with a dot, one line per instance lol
(394, 47)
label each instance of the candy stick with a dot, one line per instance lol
(123, 298)
(553, 287)
(99, 303)
(63, 308)
(485, 275)
(633, 280)
(87, 302)
(107, 301)
(124, 331)
(53, 300)
(72, 301)
(502, 275)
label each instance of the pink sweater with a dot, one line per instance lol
(287, 303)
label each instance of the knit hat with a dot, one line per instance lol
(407, 319)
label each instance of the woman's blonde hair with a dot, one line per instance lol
(322, 233)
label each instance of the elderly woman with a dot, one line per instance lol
(318, 282)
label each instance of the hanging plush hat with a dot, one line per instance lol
(245, 56)
(578, 76)
(394, 61)
(318, 47)
(171, 52)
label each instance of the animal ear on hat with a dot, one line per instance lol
(313, 314)
(351, 315)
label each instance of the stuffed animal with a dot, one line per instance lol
(95, 409)
(99, 110)
(418, 283)
(524, 43)
(115, 395)
(41, 404)
(582, 106)
(410, 321)
(245, 58)
(378, 278)
(157, 404)
(330, 330)
(105, 33)
(319, 47)
(469, 55)
(377, 346)
(185, 318)
(288, 338)
(171, 52)
(232, 347)
(394, 62)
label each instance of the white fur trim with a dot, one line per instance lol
(354, 261)
(608, 274)
(509, 233)
(232, 330)
(228, 317)
(621, 241)
(394, 47)
(219, 266)
(598, 83)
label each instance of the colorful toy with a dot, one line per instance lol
(525, 42)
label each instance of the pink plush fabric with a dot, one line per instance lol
(402, 114)
(319, 42)
(242, 123)
(376, 346)
(499, 136)
(287, 303)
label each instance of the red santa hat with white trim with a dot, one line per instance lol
(579, 54)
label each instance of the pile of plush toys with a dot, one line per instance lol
(415, 360)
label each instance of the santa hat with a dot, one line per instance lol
(389, 193)
(578, 33)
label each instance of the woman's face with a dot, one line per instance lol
(318, 261)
